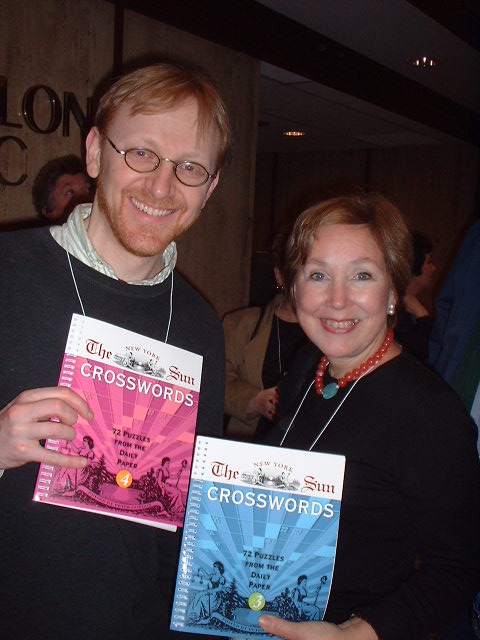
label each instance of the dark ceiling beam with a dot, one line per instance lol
(253, 29)
(460, 18)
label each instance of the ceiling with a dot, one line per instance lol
(338, 69)
(387, 32)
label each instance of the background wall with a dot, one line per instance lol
(68, 45)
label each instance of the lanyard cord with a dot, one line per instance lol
(83, 309)
(328, 421)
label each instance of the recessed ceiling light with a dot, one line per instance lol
(295, 134)
(424, 62)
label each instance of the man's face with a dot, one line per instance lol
(146, 211)
(69, 191)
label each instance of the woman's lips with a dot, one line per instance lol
(339, 325)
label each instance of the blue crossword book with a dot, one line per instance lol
(260, 536)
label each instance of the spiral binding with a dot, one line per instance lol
(72, 348)
(182, 591)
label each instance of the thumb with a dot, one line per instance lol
(279, 627)
(296, 630)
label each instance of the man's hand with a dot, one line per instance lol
(38, 414)
(353, 629)
(264, 403)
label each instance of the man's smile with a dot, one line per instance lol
(152, 211)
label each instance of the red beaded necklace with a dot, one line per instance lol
(331, 389)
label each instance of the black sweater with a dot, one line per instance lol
(69, 574)
(411, 493)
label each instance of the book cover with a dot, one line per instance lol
(260, 537)
(144, 395)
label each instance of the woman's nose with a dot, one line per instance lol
(338, 294)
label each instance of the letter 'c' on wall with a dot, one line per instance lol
(22, 146)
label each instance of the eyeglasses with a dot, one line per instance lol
(191, 174)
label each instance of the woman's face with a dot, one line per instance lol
(342, 293)
(428, 270)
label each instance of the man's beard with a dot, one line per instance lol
(146, 240)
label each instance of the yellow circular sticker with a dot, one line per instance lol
(124, 479)
(256, 601)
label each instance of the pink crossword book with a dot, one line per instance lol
(144, 394)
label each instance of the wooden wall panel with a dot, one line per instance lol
(215, 253)
(435, 187)
(288, 183)
(304, 179)
(66, 45)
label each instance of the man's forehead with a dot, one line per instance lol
(154, 108)
(202, 122)
(205, 131)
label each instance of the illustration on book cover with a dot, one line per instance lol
(260, 537)
(138, 447)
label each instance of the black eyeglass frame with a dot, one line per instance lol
(208, 176)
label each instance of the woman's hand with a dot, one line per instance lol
(352, 629)
(264, 403)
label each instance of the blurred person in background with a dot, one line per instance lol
(455, 355)
(260, 343)
(59, 186)
(414, 322)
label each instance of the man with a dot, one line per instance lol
(60, 185)
(160, 138)
(454, 354)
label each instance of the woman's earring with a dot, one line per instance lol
(391, 309)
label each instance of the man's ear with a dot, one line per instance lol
(93, 147)
(211, 189)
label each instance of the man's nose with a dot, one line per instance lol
(160, 181)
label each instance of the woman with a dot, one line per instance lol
(171, 495)
(407, 552)
(260, 343)
(209, 600)
(305, 602)
(414, 322)
(67, 480)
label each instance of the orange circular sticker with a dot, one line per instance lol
(124, 479)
